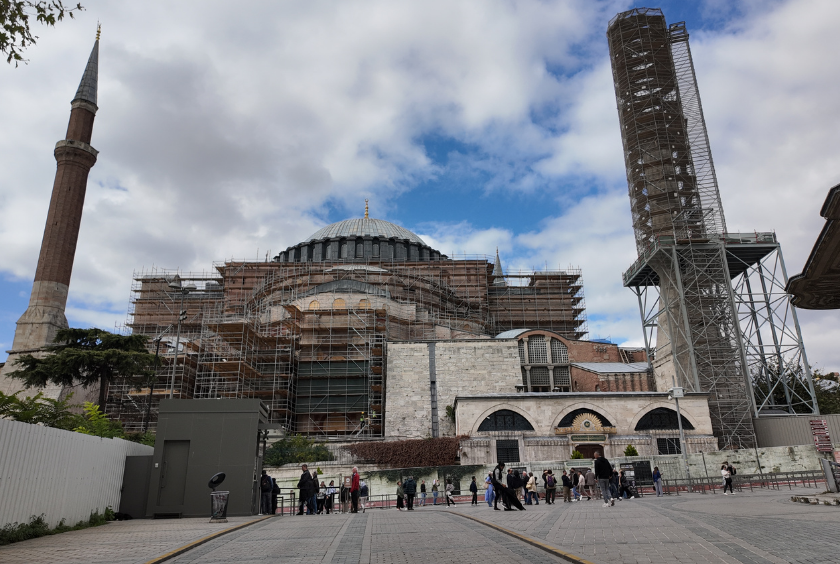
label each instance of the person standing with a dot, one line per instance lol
(550, 487)
(603, 472)
(581, 487)
(363, 495)
(657, 481)
(489, 494)
(330, 497)
(423, 493)
(450, 489)
(400, 496)
(474, 491)
(275, 491)
(305, 487)
(410, 488)
(265, 493)
(313, 499)
(590, 481)
(727, 479)
(532, 489)
(435, 491)
(354, 491)
(321, 497)
(567, 488)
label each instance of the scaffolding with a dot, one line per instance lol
(310, 338)
(708, 333)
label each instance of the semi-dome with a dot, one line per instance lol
(365, 227)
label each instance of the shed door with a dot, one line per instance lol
(173, 479)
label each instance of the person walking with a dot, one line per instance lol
(550, 487)
(423, 493)
(603, 472)
(450, 489)
(400, 496)
(363, 495)
(657, 481)
(410, 488)
(727, 479)
(435, 491)
(489, 494)
(265, 493)
(590, 480)
(474, 490)
(581, 487)
(355, 487)
(496, 479)
(306, 488)
(567, 487)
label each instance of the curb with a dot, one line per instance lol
(178, 551)
(813, 500)
(542, 546)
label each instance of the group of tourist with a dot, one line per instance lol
(510, 486)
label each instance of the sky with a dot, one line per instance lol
(235, 132)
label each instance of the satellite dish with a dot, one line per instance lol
(216, 480)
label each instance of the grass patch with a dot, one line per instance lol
(38, 527)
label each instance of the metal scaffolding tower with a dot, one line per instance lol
(711, 334)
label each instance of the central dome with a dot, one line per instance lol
(364, 227)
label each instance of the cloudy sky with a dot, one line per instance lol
(228, 131)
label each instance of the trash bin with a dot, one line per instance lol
(218, 506)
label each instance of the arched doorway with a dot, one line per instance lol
(589, 450)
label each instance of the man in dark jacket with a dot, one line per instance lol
(474, 490)
(265, 493)
(307, 490)
(497, 479)
(567, 488)
(410, 490)
(603, 472)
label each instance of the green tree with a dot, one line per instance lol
(88, 357)
(38, 409)
(576, 455)
(16, 35)
(827, 388)
(97, 424)
(631, 451)
(295, 448)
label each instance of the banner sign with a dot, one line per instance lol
(819, 429)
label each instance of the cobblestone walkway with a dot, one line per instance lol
(761, 527)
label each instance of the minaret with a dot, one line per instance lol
(498, 273)
(75, 157)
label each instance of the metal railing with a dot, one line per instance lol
(740, 482)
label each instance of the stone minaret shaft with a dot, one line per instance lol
(75, 157)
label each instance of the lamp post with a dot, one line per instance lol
(676, 393)
(175, 284)
(157, 341)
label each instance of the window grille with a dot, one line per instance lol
(559, 352)
(539, 376)
(505, 420)
(662, 419)
(537, 352)
(524, 377)
(522, 352)
(669, 445)
(507, 451)
(562, 377)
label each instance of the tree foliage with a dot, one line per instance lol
(97, 423)
(295, 448)
(827, 388)
(442, 451)
(38, 409)
(16, 34)
(88, 357)
(631, 451)
(576, 455)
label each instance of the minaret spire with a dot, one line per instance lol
(366, 208)
(74, 156)
(498, 273)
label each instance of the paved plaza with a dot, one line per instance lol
(759, 527)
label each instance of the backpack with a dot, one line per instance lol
(732, 470)
(265, 484)
(549, 480)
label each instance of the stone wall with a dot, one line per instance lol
(462, 367)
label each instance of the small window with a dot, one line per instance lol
(364, 304)
(339, 304)
(507, 451)
(669, 445)
(537, 352)
(314, 304)
(562, 377)
(559, 352)
(539, 376)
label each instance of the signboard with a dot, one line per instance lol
(819, 429)
(588, 438)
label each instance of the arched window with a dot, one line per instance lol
(339, 304)
(559, 352)
(364, 304)
(505, 420)
(537, 352)
(662, 419)
(569, 418)
(314, 304)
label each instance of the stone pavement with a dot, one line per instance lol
(759, 527)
